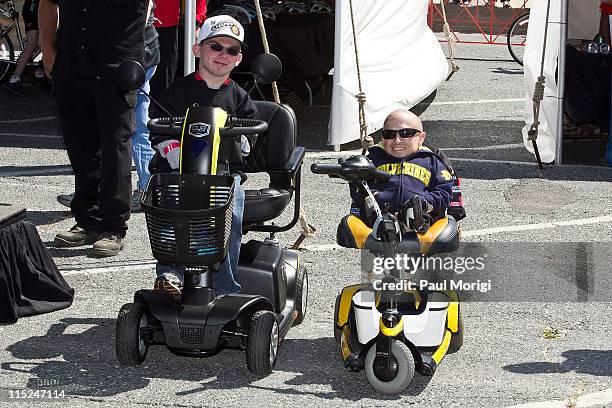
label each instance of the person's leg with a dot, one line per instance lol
(15, 85)
(77, 114)
(26, 55)
(115, 110)
(142, 152)
(224, 280)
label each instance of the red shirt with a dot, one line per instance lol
(167, 12)
(198, 77)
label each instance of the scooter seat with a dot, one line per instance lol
(442, 236)
(264, 204)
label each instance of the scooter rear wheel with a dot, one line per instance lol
(405, 369)
(301, 294)
(337, 331)
(262, 343)
(457, 338)
(130, 347)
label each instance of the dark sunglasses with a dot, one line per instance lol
(216, 47)
(405, 133)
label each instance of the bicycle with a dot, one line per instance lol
(517, 36)
(8, 54)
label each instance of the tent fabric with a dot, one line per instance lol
(30, 282)
(401, 63)
(582, 20)
(547, 131)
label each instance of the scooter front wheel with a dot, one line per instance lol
(130, 346)
(262, 343)
(401, 374)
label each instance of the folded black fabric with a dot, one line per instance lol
(30, 282)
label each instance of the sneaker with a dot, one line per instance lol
(136, 196)
(109, 244)
(168, 282)
(65, 199)
(16, 88)
(76, 236)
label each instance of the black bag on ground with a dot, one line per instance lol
(30, 283)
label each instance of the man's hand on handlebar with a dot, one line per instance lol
(245, 147)
(171, 151)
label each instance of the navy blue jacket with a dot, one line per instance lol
(421, 173)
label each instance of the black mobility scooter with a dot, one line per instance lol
(188, 219)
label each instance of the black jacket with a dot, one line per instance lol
(190, 90)
(97, 35)
(421, 173)
(187, 91)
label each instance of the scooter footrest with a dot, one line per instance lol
(354, 363)
(427, 367)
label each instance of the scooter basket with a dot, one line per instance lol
(189, 217)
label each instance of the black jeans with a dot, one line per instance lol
(166, 69)
(98, 122)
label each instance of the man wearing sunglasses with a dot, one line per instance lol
(415, 169)
(219, 48)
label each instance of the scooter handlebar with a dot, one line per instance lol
(167, 126)
(347, 172)
(174, 126)
(332, 169)
(382, 176)
(242, 126)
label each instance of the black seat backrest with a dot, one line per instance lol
(273, 148)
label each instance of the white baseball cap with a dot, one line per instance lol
(221, 26)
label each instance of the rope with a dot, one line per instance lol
(450, 42)
(367, 141)
(307, 230)
(538, 96)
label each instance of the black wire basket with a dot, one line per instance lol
(189, 218)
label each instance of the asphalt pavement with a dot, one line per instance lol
(514, 352)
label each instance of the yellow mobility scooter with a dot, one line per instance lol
(382, 327)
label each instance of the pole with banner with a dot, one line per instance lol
(189, 35)
(609, 146)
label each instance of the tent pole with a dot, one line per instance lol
(561, 81)
(188, 35)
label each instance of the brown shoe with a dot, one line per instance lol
(76, 236)
(109, 244)
(168, 282)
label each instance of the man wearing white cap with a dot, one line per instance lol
(219, 48)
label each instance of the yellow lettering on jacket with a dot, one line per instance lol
(410, 169)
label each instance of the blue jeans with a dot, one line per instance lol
(142, 152)
(224, 281)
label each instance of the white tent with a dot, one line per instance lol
(583, 17)
(401, 62)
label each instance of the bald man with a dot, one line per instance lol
(415, 169)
